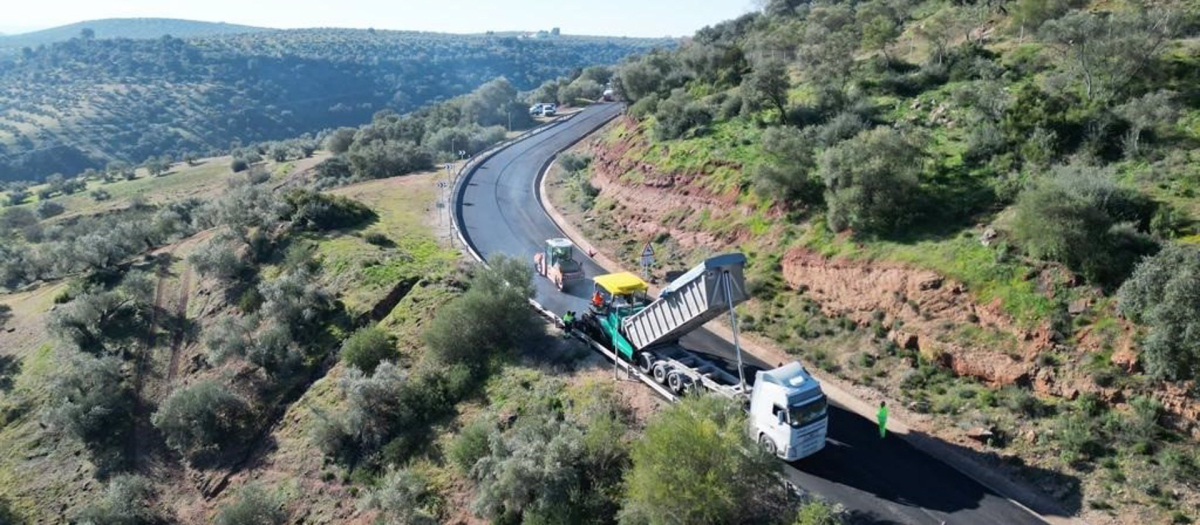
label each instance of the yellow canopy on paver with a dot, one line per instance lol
(623, 283)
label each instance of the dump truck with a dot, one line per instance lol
(557, 263)
(787, 408)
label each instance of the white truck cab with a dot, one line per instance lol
(788, 412)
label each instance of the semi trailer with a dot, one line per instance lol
(787, 408)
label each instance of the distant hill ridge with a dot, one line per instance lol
(140, 28)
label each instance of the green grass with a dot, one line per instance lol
(363, 273)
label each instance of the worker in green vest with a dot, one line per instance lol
(568, 320)
(882, 417)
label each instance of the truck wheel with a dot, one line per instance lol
(643, 363)
(660, 372)
(676, 382)
(767, 444)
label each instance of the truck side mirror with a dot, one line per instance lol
(781, 417)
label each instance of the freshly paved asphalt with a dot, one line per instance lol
(879, 481)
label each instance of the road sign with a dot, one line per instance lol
(647, 258)
(441, 184)
(449, 167)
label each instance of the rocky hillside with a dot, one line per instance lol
(969, 209)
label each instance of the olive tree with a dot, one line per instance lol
(871, 181)
(253, 505)
(490, 318)
(1164, 294)
(128, 500)
(92, 402)
(787, 174)
(1146, 113)
(202, 419)
(229, 337)
(404, 497)
(696, 464)
(1079, 216)
(223, 257)
(48, 209)
(769, 83)
(1109, 52)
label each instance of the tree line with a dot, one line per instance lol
(196, 96)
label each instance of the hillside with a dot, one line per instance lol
(987, 215)
(136, 28)
(84, 103)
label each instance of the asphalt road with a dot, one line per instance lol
(880, 481)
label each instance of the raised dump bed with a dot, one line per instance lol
(697, 297)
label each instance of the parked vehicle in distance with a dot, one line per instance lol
(536, 110)
(549, 110)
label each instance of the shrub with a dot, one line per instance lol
(202, 419)
(94, 321)
(819, 513)
(560, 462)
(1162, 294)
(788, 174)
(253, 506)
(93, 402)
(17, 197)
(310, 210)
(368, 347)
(127, 501)
(376, 407)
(573, 162)
(715, 472)
(404, 497)
(387, 414)
(645, 107)
(295, 302)
(275, 349)
(228, 337)
(472, 444)
(872, 182)
(489, 319)
(222, 257)
(1078, 216)
(679, 114)
(388, 158)
(239, 165)
(1077, 437)
(378, 239)
(340, 140)
(48, 209)
(100, 195)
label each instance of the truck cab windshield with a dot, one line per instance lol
(800, 415)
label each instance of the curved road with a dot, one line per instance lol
(878, 481)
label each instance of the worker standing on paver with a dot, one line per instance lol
(882, 417)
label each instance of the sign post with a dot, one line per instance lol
(445, 187)
(647, 260)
